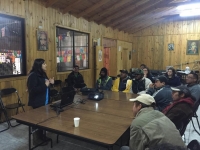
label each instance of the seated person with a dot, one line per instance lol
(173, 80)
(147, 74)
(150, 127)
(181, 107)
(75, 78)
(192, 85)
(123, 83)
(161, 92)
(104, 82)
(142, 66)
(140, 84)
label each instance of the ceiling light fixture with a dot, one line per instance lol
(189, 10)
(189, 6)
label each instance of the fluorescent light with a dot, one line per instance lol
(190, 13)
(189, 6)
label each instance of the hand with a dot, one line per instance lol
(151, 85)
(51, 80)
(47, 82)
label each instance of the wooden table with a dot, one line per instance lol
(101, 122)
(117, 95)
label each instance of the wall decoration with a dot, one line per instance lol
(170, 46)
(42, 40)
(193, 47)
(100, 55)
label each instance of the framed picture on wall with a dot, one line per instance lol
(42, 40)
(170, 46)
(193, 47)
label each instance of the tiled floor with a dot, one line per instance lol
(17, 139)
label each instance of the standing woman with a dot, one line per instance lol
(38, 84)
(147, 74)
(38, 88)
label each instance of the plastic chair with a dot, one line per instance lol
(17, 105)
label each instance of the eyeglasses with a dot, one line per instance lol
(144, 70)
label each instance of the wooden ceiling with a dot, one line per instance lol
(126, 15)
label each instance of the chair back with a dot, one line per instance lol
(57, 83)
(8, 91)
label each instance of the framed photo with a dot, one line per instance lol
(170, 46)
(42, 40)
(193, 47)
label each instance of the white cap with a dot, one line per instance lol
(145, 99)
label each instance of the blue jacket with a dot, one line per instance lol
(104, 84)
(162, 96)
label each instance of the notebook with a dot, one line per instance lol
(66, 99)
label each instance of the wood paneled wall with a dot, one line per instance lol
(36, 15)
(151, 44)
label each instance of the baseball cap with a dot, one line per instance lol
(162, 79)
(124, 71)
(183, 89)
(139, 71)
(145, 99)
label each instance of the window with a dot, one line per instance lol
(12, 46)
(72, 49)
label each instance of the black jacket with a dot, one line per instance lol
(37, 90)
(72, 79)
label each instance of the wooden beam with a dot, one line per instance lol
(159, 13)
(148, 19)
(70, 6)
(117, 5)
(148, 25)
(118, 13)
(49, 3)
(92, 8)
(146, 8)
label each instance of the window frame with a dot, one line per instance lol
(23, 46)
(73, 46)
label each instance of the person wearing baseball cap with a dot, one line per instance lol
(123, 83)
(150, 127)
(161, 92)
(181, 107)
(140, 84)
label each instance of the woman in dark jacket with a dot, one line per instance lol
(38, 88)
(147, 74)
(173, 80)
(38, 84)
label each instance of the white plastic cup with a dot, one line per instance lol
(76, 122)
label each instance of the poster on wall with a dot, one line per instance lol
(42, 40)
(193, 47)
(100, 55)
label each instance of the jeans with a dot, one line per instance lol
(124, 148)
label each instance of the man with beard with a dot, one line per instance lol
(140, 84)
(104, 82)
